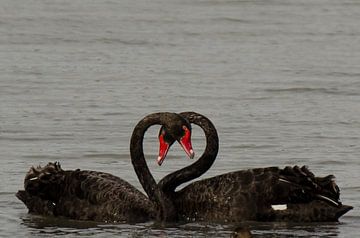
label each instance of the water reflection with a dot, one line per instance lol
(284, 229)
(242, 232)
(39, 226)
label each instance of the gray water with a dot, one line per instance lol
(280, 79)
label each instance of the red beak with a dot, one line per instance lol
(163, 150)
(185, 143)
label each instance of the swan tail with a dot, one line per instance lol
(298, 195)
(342, 210)
(314, 211)
(299, 185)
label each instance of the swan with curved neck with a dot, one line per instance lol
(253, 194)
(92, 195)
(172, 181)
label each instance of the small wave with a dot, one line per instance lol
(344, 74)
(122, 41)
(94, 119)
(34, 138)
(333, 137)
(13, 131)
(300, 90)
(6, 193)
(332, 162)
(333, 91)
(104, 155)
(114, 113)
(231, 19)
(253, 146)
(44, 157)
(352, 188)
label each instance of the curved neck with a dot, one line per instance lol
(165, 206)
(170, 182)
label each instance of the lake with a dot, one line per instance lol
(280, 80)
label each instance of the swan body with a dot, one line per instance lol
(84, 195)
(98, 196)
(255, 193)
(251, 194)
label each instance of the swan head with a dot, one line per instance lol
(179, 131)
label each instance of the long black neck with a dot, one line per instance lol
(170, 182)
(164, 205)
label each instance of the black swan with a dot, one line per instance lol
(91, 195)
(261, 194)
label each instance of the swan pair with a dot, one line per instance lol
(252, 194)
